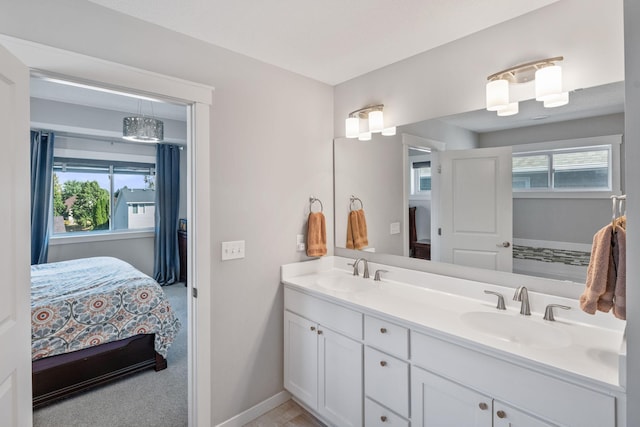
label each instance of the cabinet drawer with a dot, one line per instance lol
(333, 316)
(376, 415)
(389, 337)
(553, 399)
(386, 380)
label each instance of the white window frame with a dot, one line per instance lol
(101, 235)
(415, 179)
(612, 141)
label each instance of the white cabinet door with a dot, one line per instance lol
(508, 416)
(436, 402)
(15, 324)
(340, 398)
(301, 358)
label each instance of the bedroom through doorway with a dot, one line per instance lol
(93, 166)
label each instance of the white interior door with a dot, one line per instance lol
(476, 218)
(15, 325)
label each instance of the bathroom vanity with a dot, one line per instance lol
(420, 349)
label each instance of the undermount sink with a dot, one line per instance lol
(345, 283)
(517, 329)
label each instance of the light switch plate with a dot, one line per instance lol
(394, 228)
(300, 246)
(232, 250)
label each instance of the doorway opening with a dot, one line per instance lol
(90, 152)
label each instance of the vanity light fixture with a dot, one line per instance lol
(142, 128)
(548, 85)
(375, 118)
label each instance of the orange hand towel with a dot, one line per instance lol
(316, 235)
(606, 274)
(357, 230)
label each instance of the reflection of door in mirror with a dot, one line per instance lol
(476, 208)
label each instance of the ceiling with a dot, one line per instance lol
(330, 40)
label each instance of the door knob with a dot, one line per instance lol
(504, 244)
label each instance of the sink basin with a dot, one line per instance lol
(346, 283)
(517, 329)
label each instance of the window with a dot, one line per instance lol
(570, 169)
(420, 178)
(92, 196)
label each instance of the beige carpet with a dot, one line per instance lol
(146, 399)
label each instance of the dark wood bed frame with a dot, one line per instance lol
(59, 376)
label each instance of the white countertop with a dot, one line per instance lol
(588, 349)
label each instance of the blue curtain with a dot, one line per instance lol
(41, 175)
(166, 264)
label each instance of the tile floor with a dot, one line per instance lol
(289, 414)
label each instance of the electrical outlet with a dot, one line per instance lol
(394, 228)
(300, 246)
(232, 250)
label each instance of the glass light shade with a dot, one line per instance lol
(509, 109)
(142, 129)
(497, 94)
(557, 101)
(390, 131)
(376, 122)
(352, 125)
(364, 136)
(548, 82)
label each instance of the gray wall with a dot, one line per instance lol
(271, 148)
(371, 171)
(137, 252)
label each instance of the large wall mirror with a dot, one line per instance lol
(562, 165)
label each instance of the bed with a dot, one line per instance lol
(94, 320)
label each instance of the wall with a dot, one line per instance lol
(371, 171)
(135, 251)
(271, 135)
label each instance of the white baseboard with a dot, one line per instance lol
(257, 410)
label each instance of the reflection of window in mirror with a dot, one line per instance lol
(420, 170)
(576, 169)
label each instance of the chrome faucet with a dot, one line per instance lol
(365, 273)
(377, 277)
(523, 295)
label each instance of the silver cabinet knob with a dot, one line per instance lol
(383, 363)
(483, 406)
(313, 328)
(383, 418)
(501, 414)
(319, 332)
(383, 330)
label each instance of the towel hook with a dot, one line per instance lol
(312, 200)
(616, 208)
(352, 200)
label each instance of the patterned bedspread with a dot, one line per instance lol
(85, 302)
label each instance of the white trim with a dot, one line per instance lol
(85, 69)
(257, 410)
(91, 237)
